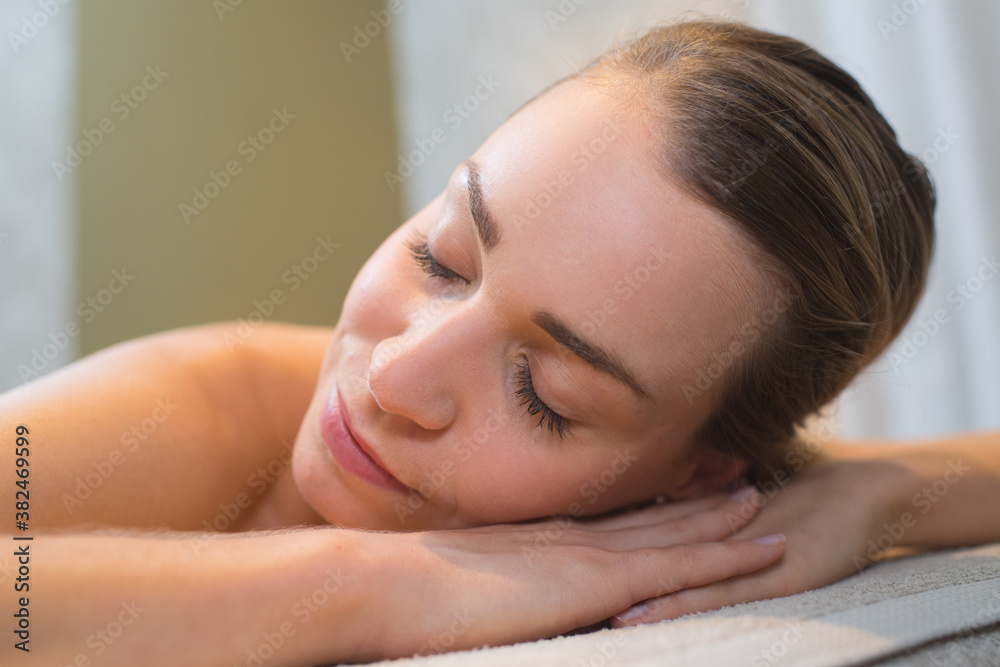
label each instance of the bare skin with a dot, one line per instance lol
(859, 500)
(176, 436)
(553, 576)
(560, 216)
(207, 599)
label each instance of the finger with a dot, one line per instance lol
(737, 590)
(656, 513)
(710, 525)
(662, 572)
(795, 573)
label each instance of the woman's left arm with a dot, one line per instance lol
(944, 492)
(856, 501)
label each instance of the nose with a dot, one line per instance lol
(424, 373)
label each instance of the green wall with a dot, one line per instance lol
(220, 80)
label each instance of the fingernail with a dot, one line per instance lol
(745, 493)
(771, 540)
(632, 613)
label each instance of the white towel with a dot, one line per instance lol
(937, 609)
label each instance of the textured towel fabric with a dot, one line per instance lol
(978, 649)
(940, 609)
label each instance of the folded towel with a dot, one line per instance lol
(939, 609)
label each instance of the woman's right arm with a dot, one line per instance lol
(183, 599)
(318, 595)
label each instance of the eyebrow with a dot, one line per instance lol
(490, 237)
(589, 352)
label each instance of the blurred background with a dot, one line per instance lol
(173, 163)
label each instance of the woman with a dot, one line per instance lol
(636, 288)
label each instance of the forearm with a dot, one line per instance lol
(939, 493)
(325, 595)
(194, 600)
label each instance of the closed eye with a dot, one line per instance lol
(535, 405)
(421, 253)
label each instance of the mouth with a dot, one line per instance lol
(352, 452)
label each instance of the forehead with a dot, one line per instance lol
(601, 238)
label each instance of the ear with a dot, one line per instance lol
(713, 472)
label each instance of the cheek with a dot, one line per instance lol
(386, 288)
(504, 476)
(545, 478)
(515, 478)
(376, 302)
(628, 478)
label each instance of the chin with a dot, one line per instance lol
(339, 499)
(315, 476)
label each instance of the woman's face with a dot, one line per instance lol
(528, 343)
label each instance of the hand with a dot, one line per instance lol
(828, 514)
(457, 589)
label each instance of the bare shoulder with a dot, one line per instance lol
(276, 366)
(158, 430)
(278, 342)
(285, 360)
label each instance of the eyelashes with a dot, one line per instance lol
(421, 254)
(535, 406)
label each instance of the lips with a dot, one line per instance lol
(352, 453)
